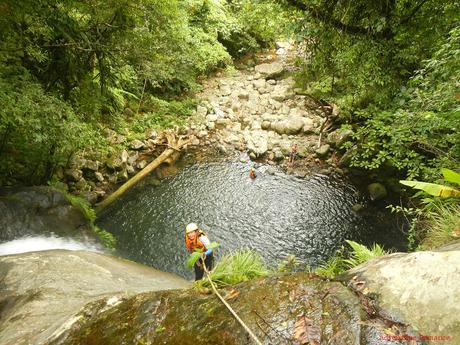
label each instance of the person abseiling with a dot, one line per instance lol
(195, 238)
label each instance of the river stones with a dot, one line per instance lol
(377, 191)
(270, 70)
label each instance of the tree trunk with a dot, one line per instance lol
(173, 147)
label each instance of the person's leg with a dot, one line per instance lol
(209, 261)
(199, 271)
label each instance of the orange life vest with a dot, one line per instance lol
(196, 243)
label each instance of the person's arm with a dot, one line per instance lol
(206, 243)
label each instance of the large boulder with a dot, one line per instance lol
(270, 70)
(377, 191)
(257, 142)
(39, 210)
(281, 309)
(339, 136)
(282, 93)
(291, 125)
(42, 291)
(418, 288)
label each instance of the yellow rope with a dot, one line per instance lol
(254, 337)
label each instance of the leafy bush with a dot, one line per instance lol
(442, 226)
(418, 133)
(343, 261)
(236, 267)
(38, 131)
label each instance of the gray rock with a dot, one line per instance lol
(99, 176)
(265, 125)
(291, 125)
(257, 142)
(279, 156)
(136, 144)
(142, 164)
(201, 110)
(81, 184)
(243, 94)
(77, 162)
(308, 125)
(271, 81)
(281, 93)
(419, 289)
(114, 162)
(259, 84)
(339, 136)
(91, 165)
(377, 191)
(73, 174)
(270, 171)
(211, 118)
(113, 178)
(89, 196)
(323, 150)
(38, 211)
(211, 125)
(151, 134)
(202, 134)
(43, 291)
(130, 170)
(225, 90)
(122, 175)
(270, 70)
(133, 156)
(124, 156)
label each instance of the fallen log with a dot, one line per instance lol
(173, 146)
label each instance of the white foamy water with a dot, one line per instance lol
(40, 243)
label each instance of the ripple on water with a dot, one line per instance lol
(273, 214)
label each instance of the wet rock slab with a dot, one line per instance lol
(287, 309)
(418, 288)
(41, 291)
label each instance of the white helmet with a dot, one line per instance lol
(191, 227)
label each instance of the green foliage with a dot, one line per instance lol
(289, 264)
(236, 267)
(361, 253)
(394, 78)
(107, 239)
(332, 267)
(162, 114)
(38, 131)
(436, 220)
(83, 205)
(343, 261)
(433, 188)
(66, 66)
(197, 254)
(442, 226)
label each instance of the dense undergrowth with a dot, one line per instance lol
(244, 265)
(70, 68)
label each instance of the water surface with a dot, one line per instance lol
(275, 214)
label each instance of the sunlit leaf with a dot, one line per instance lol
(192, 259)
(433, 188)
(451, 176)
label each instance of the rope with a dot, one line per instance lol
(254, 337)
